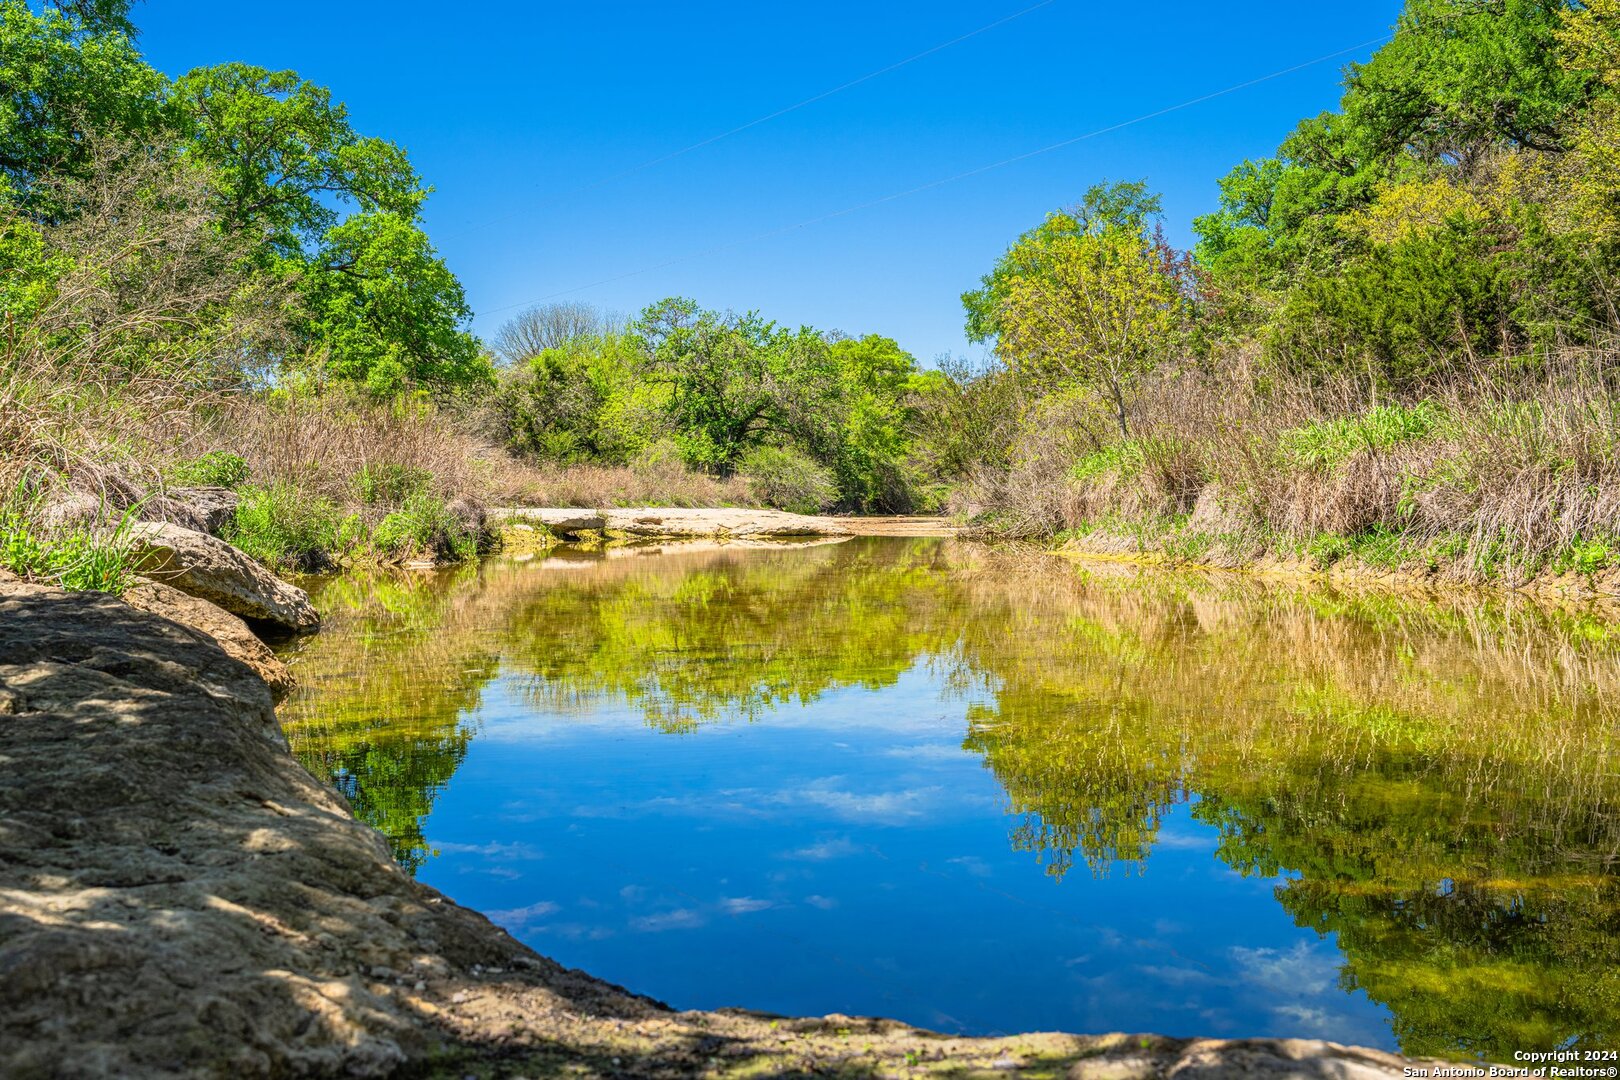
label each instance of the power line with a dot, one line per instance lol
(948, 179)
(712, 139)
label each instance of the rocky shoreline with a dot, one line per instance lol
(179, 897)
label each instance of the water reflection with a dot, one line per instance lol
(1433, 783)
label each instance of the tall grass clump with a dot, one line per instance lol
(1507, 471)
(79, 557)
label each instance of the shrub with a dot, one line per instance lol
(217, 468)
(284, 527)
(789, 481)
(425, 525)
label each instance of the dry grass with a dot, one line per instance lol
(1495, 473)
(663, 484)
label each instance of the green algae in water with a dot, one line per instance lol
(1248, 774)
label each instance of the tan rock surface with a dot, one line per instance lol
(230, 632)
(754, 524)
(205, 566)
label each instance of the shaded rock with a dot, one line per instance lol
(206, 567)
(230, 632)
(1147, 1057)
(177, 896)
(206, 509)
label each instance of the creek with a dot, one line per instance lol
(917, 778)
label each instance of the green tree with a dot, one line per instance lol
(870, 439)
(66, 74)
(1092, 298)
(380, 307)
(733, 382)
(1127, 205)
(384, 311)
(1463, 76)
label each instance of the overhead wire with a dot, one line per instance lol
(951, 179)
(785, 110)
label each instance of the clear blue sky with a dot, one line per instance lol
(509, 109)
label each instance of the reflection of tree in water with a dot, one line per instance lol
(1441, 784)
(1440, 781)
(384, 715)
(732, 635)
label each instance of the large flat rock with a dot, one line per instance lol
(207, 567)
(755, 524)
(228, 631)
(562, 522)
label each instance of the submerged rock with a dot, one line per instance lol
(206, 567)
(231, 633)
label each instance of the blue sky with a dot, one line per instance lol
(515, 112)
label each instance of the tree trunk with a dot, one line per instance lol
(1118, 395)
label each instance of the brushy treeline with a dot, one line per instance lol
(1395, 339)
(217, 279)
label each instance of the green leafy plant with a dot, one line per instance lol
(217, 468)
(284, 527)
(789, 481)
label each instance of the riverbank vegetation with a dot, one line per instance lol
(218, 280)
(1394, 339)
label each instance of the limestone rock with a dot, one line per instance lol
(208, 568)
(560, 522)
(206, 509)
(230, 632)
(75, 510)
(1147, 1057)
(756, 524)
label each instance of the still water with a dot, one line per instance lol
(918, 779)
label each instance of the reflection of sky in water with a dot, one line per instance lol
(849, 856)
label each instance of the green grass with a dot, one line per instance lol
(78, 559)
(1328, 444)
(213, 469)
(424, 525)
(283, 527)
(1125, 458)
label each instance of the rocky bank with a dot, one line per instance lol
(178, 897)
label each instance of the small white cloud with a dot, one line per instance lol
(1177, 976)
(522, 916)
(825, 903)
(744, 905)
(972, 864)
(493, 850)
(839, 848)
(1300, 971)
(679, 919)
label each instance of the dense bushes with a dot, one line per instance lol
(1396, 340)
(730, 394)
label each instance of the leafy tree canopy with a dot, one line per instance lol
(66, 73)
